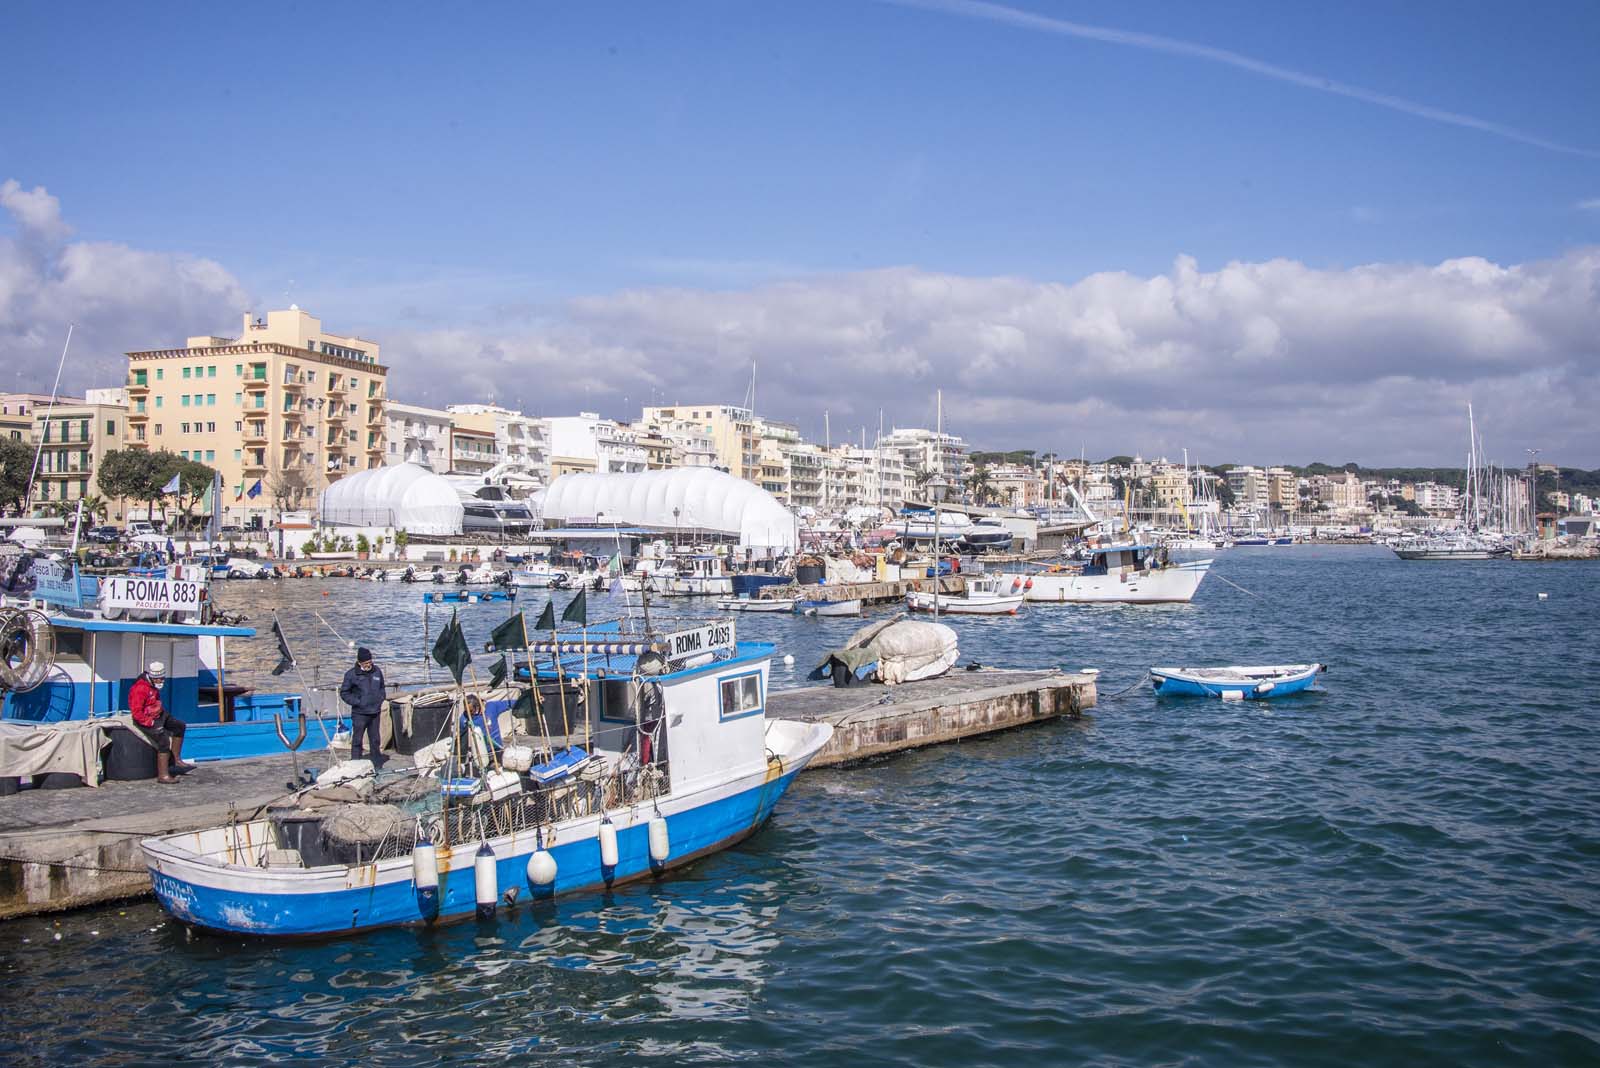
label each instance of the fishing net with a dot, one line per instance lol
(364, 825)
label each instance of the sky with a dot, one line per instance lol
(1259, 232)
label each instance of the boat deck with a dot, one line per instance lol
(69, 848)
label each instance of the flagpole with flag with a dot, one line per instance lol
(578, 612)
(547, 618)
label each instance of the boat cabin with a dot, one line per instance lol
(698, 709)
(1121, 559)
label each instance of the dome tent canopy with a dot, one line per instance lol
(702, 497)
(405, 497)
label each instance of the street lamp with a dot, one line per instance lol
(675, 528)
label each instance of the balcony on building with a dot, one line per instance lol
(338, 385)
(139, 382)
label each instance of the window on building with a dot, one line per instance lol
(238, 426)
(185, 427)
(211, 456)
(160, 373)
(183, 453)
(185, 399)
(111, 428)
(186, 372)
(238, 370)
(211, 371)
(158, 402)
(211, 428)
(158, 430)
(238, 398)
(211, 400)
(83, 430)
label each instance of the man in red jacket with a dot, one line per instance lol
(164, 730)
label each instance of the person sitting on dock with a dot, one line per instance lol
(160, 727)
(362, 690)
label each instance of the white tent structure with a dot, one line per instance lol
(403, 497)
(684, 498)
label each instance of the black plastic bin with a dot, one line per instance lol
(57, 780)
(428, 725)
(809, 574)
(302, 831)
(128, 757)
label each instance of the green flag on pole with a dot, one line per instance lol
(511, 634)
(451, 649)
(524, 708)
(578, 611)
(547, 618)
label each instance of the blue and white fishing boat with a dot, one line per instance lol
(677, 760)
(86, 648)
(1235, 683)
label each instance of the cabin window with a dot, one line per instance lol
(69, 643)
(741, 695)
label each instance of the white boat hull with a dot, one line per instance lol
(951, 605)
(750, 604)
(1174, 584)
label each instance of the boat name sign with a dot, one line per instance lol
(153, 594)
(710, 638)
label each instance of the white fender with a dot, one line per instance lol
(608, 845)
(485, 880)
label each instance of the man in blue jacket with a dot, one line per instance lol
(362, 690)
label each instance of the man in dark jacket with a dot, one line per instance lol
(362, 690)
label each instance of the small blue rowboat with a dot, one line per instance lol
(1235, 683)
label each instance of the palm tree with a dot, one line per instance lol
(980, 485)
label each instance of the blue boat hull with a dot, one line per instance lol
(1254, 689)
(376, 903)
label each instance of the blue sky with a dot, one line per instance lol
(450, 182)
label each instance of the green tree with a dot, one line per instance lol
(980, 485)
(138, 474)
(16, 467)
(194, 478)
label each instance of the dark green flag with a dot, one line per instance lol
(509, 635)
(578, 611)
(524, 708)
(547, 618)
(498, 673)
(451, 648)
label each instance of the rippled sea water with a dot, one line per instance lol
(1401, 869)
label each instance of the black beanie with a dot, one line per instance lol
(363, 654)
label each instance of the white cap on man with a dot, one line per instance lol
(156, 670)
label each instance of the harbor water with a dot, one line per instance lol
(1401, 868)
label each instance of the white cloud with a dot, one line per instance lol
(1274, 361)
(117, 298)
(1592, 204)
(1265, 361)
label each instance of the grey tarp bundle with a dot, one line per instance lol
(71, 747)
(904, 650)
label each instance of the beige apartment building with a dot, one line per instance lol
(732, 431)
(284, 403)
(72, 439)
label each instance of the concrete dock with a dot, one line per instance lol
(876, 720)
(64, 849)
(870, 593)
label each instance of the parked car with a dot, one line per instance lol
(104, 535)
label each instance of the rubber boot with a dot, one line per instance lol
(178, 763)
(164, 768)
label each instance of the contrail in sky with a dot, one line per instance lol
(980, 9)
